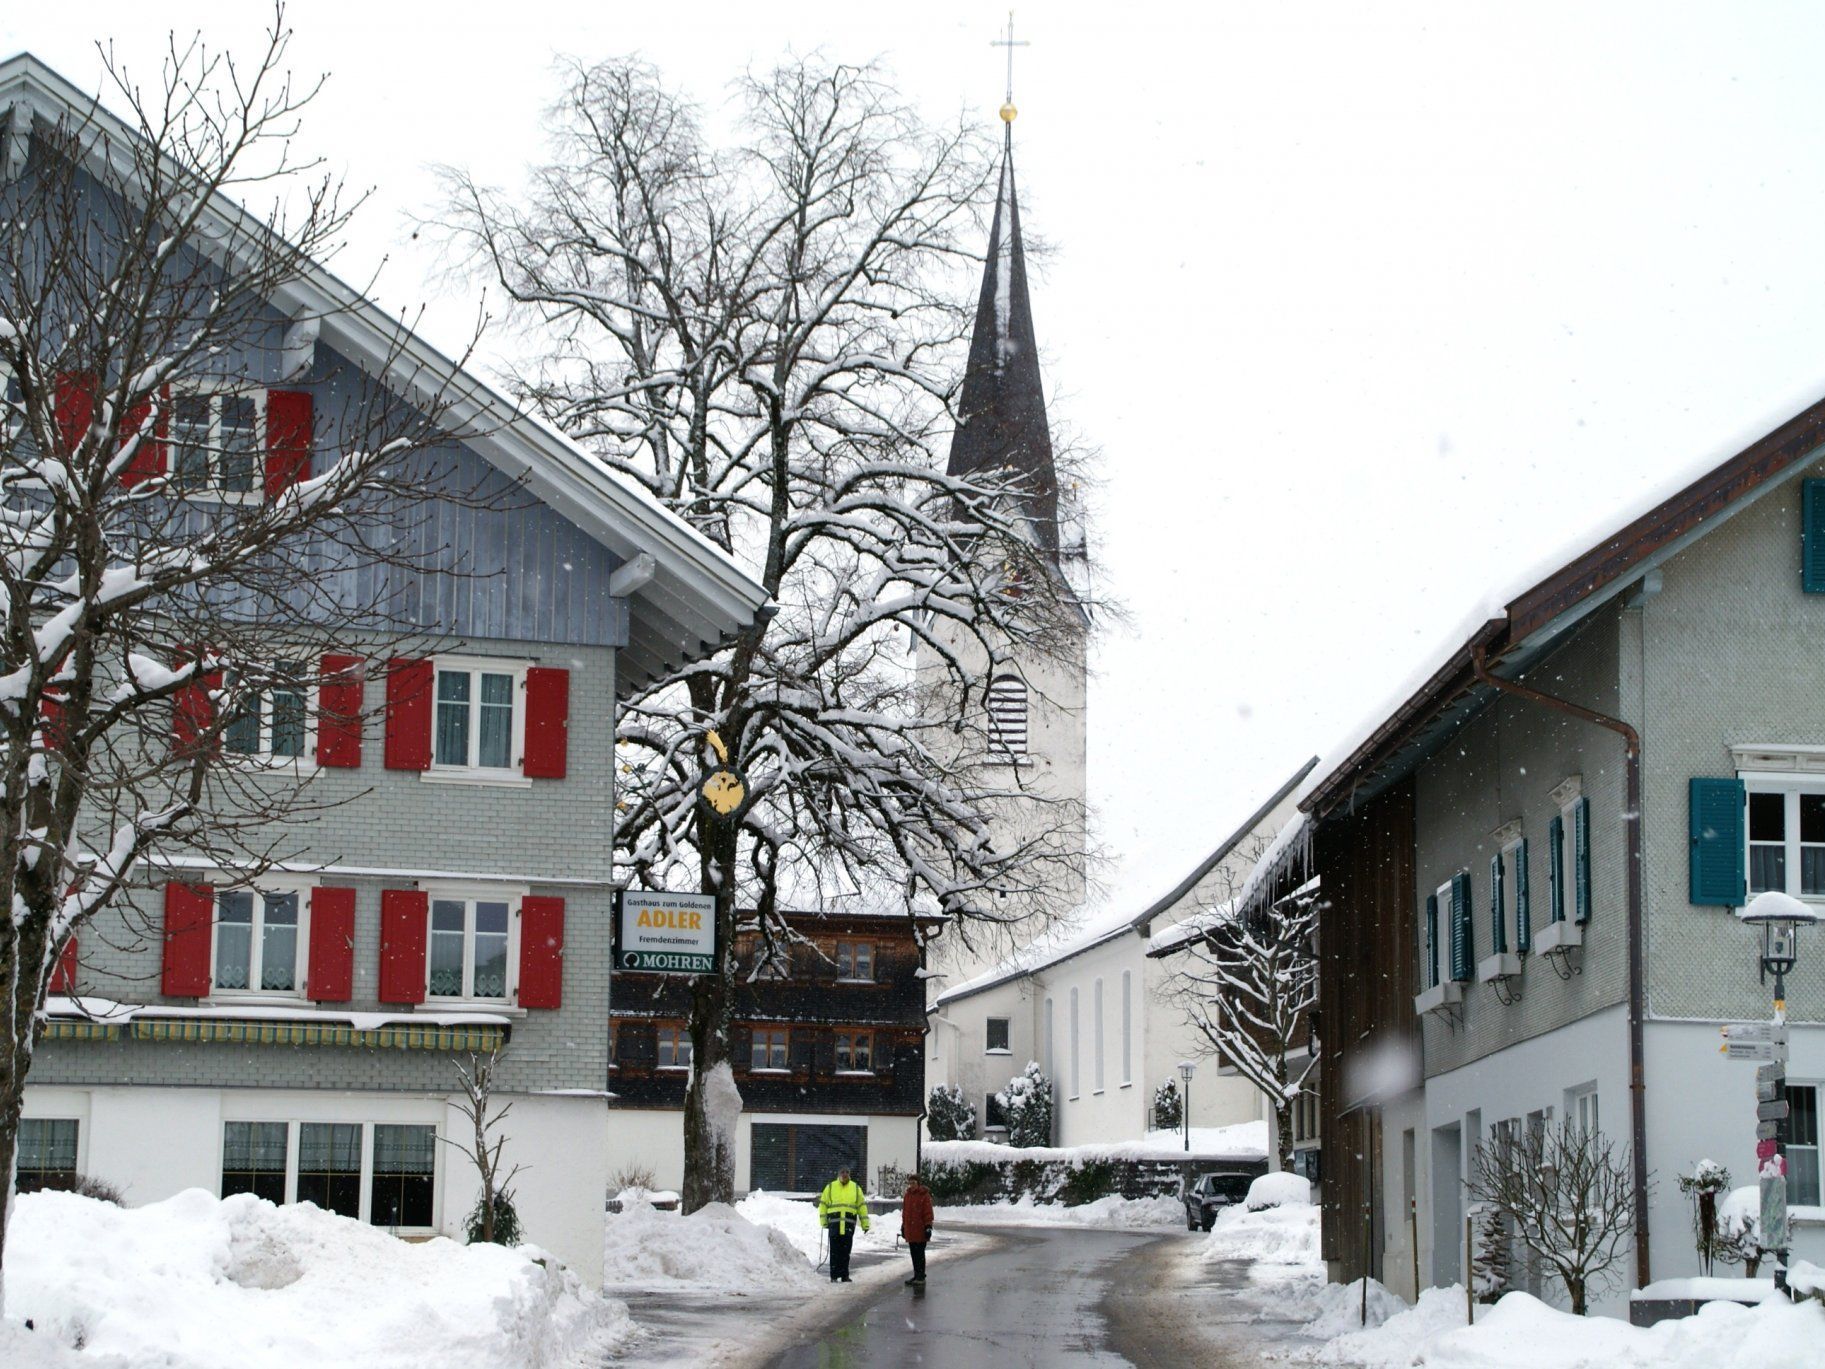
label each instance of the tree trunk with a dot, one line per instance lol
(1575, 1287)
(709, 1155)
(1283, 1127)
(20, 979)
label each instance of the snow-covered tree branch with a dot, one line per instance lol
(1247, 984)
(767, 340)
(175, 557)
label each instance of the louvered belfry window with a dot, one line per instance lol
(1007, 702)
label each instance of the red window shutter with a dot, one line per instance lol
(541, 952)
(409, 685)
(189, 915)
(339, 712)
(289, 430)
(51, 714)
(194, 710)
(73, 404)
(63, 974)
(149, 458)
(547, 723)
(332, 945)
(403, 917)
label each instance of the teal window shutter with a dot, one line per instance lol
(1463, 949)
(1581, 857)
(1498, 933)
(1431, 941)
(1812, 537)
(1719, 875)
(1555, 868)
(1523, 919)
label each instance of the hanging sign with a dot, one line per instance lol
(661, 933)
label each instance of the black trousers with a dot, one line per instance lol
(840, 1241)
(918, 1257)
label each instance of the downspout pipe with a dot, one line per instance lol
(1631, 824)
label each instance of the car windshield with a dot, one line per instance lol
(1232, 1186)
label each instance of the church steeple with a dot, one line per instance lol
(1001, 415)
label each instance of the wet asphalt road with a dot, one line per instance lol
(1034, 1301)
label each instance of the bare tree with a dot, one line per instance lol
(767, 340)
(1567, 1193)
(1248, 984)
(484, 1146)
(164, 573)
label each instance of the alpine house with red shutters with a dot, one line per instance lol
(297, 1036)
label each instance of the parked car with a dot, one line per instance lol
(1209, 1194)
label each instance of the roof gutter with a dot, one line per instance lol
(1631, 824)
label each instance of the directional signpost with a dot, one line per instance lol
(1766, 1044)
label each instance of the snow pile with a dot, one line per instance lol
(1521, 1332)
(1278, 1190)
(1274, 1235)
(197, 1282)
(715, 1248)
(797, 1222)
(1806, 1278)
(1337, 1309)
(1115, 1214)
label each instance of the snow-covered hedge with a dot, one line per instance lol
(197, 1282)
(983, 1172)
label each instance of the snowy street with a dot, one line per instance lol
(1047, 1296)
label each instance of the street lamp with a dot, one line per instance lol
(1186, 1068)
(1780, 917)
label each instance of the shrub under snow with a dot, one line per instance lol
(197, 1282)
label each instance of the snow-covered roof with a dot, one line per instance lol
(1518, 620)
(1110, 923)
(698, 596)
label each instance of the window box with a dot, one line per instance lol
(1439, 996)
(1558, 936)
(1501, 965)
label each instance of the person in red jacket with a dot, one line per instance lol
(916, 1224)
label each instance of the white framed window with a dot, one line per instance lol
(999, 1036)
(1127, 1028)
(1051, 1051)
(1785, 832)
(479, 719)
(1096, 1031)
(12, 410)
(218, 443)
(259, 940)
(855, 1052)
(855, 961)
(274, 725)
(768, 1050)
(1803, 1180)
(674, 1048)
(383, 1173)
(1514, 890)
(1581, 1109)
(1007, 718)
(47, 1153)
(471, 945)
(1074, 1054)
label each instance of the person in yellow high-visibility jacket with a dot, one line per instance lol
(841, 1207)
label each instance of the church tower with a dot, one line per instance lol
(1024, 718)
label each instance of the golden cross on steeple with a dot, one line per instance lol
(1007, 110)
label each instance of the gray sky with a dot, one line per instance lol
(1367, 307)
